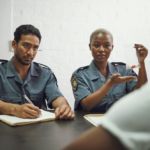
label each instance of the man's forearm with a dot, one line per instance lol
(59, 101)
(7, 108)
(62, 109)
(142, 76)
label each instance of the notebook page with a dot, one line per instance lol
(96, 121)
(46, 115)
(14, 119)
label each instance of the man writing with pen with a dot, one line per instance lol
(20, 76)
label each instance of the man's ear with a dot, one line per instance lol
(14, 45)
(90, 46)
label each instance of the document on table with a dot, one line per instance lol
(14, 121)
(95, 119)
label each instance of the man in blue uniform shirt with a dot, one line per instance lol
(20, 76)
(97, 86)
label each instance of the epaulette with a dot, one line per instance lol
(118, 63)
(41, 65)
(2, 61)
(82, 68)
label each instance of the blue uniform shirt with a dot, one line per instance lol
(87, 80)
(39, 85)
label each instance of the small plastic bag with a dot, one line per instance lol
(131, 57)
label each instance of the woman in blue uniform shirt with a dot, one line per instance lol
(97, 86)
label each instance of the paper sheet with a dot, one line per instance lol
(14, 119)
(96, 121)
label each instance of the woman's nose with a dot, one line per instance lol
(101, 48)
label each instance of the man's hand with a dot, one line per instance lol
(62, 109)
(27, 111)
(64, 112)
(116, 79)
(141, 52)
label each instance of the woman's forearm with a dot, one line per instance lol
(142, 76)
(93, 99)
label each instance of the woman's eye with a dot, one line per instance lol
(106, 46)
(96, 45)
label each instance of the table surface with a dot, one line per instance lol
(52, 135)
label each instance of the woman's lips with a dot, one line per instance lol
(101, 56)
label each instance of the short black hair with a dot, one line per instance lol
(101, 30)
(26, 30)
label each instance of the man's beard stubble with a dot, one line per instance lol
(20, 60)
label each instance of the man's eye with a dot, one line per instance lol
(35, 48)
(26, 45)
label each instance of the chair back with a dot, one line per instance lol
(2, 61)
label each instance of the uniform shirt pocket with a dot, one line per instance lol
(36, 99)
(119, 95)
(11, 98)
(103, 101)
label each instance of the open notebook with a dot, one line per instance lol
(15, 121)
(95, 119)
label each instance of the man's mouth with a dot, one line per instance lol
(28, 58)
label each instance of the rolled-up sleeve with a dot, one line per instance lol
(51, 90)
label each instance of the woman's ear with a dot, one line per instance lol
(112, 47)
(90, 46)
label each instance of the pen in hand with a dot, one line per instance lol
(29, 101)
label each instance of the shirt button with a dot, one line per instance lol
(110, 99)
(11, 100)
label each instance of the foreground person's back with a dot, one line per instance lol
(125, 127)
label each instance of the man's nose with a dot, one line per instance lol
(30, 51)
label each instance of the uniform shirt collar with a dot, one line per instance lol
(11, 71)
(95, 74)
(33, 71)
(112, 69)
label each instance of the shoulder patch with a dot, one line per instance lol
(2, 61)
(41, 65)
(74, 82)
(82, 68)
(118, 63)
